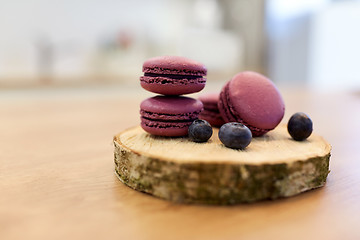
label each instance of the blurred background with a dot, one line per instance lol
(312, 43)
(69, 81)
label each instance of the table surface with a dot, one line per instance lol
(57, 179)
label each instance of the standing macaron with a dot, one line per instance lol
(169, 115)
(252, 99)
(211, 111)
(173, 75)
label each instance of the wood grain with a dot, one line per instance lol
(275, 147)
(57, 180)
(177, 169)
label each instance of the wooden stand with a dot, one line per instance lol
(177, 169)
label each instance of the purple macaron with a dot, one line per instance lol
(173, 75)
(211, 111)
(169, 115)
(252, 99)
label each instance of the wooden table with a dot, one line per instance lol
(57, 179)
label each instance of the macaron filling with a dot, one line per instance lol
(165, 124)
(174, 71)
(211, 107)
(191, 116)
(173, 76)
(152, 78)
(210, 113)
(165, 127)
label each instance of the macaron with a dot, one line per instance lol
(211, 111)
(173, 75)
(252, 99)
(169, 115)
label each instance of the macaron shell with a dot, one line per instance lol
(174, 65)
(171, 105)
(226, 113)
(211, 106)
(255, 99)
(214, 118)
(252, 99)
(210, 100)
(211, 111)
(169, 86)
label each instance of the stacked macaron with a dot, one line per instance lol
(248, 98)
(170, 114)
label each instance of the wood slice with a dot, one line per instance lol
(177, 169)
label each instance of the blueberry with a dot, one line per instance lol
(235, 135)
(300, 126)
(200, 131)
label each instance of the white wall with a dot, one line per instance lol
(334, 59)
(317, 45)
(79, 33)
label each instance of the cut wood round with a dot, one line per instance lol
(177, 169)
